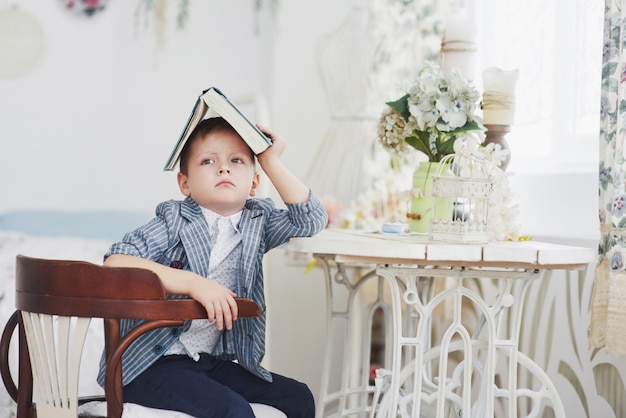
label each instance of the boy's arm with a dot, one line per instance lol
(288, 186)
(218, 300)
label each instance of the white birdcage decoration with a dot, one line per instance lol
(461, 199)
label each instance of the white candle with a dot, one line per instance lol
(499, 96)
(459, 45)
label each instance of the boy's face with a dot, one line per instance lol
(221, 172)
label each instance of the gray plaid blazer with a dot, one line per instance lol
(179, 235)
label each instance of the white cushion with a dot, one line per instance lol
(99, 409)
(266, 411)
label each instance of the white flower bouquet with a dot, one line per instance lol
(436, 111)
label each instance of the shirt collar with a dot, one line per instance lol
(211, 216)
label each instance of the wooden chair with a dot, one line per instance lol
(55, 301)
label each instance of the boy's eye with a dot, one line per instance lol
(208, 161)
(237, 160)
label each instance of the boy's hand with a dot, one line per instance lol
(276, 150)
(290, 188)
(218, 301)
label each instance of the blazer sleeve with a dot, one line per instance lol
(297, 220)
(151, 240)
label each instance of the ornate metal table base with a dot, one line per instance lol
(451, 343)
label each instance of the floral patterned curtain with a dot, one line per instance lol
(608, 310)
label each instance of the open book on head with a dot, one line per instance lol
(213, 102)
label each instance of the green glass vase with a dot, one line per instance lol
(421, 204)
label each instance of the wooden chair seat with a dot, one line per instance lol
(55, 300)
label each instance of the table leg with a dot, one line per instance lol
(349, 316)
(349, 313)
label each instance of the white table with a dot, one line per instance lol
(452, 315)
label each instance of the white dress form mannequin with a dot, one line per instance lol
(343, 58)
(362, 65)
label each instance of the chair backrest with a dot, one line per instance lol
(56, 300)
(55, 348)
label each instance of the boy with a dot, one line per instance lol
(191, 369)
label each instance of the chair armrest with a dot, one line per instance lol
(5, 342)
(247, 308)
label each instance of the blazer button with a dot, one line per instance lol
(176, 264)
(158, 348)
(175, 332)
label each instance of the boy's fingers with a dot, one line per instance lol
(210, 313)
(227, 319)
(219, 317)
(223, 312)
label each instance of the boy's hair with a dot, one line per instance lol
(202, 130)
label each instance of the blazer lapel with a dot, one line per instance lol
(251, 227)
(195, 239)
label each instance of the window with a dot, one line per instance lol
(557, 46)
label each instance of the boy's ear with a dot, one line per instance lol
(255, 184)
(183, 185)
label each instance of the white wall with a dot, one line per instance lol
(557, 204)
(92, 126)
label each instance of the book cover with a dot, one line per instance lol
(213, 100)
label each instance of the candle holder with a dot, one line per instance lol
(497, 134)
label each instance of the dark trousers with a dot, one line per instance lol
(213, 388)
